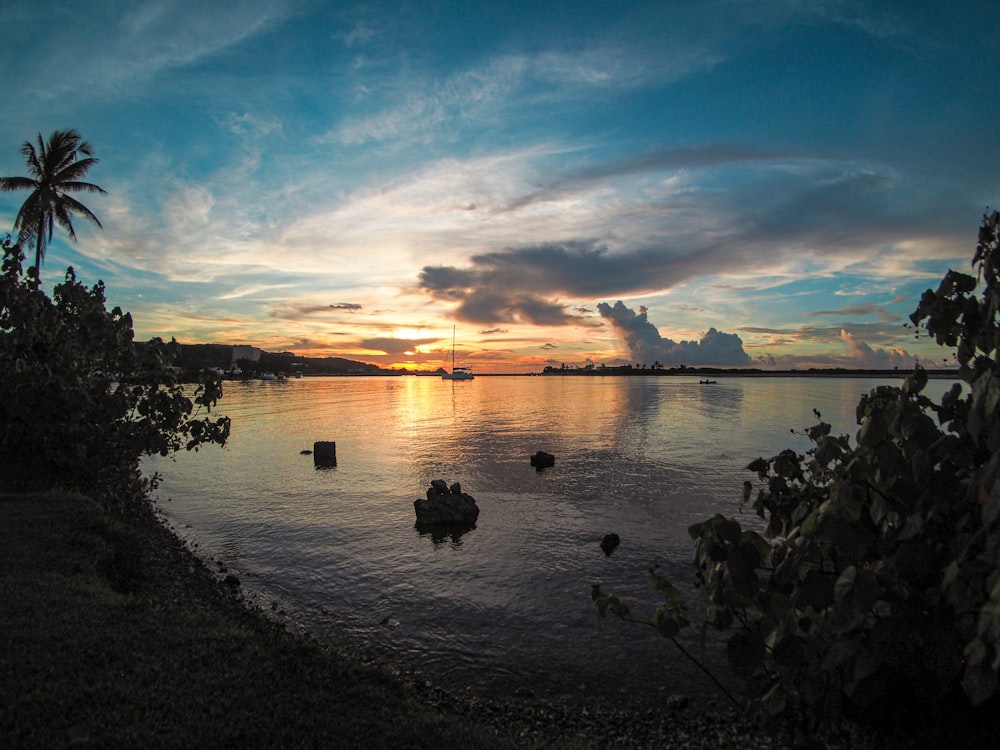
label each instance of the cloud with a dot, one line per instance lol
(521, 284)
(395, 347)
(647, 346)
(863, 355)
(250, 290)
(292, 310)
(429, 108)
(880, 311)
(514, 286)
(138, 42)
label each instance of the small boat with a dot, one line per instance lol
(457, 373)
(268, 376)
(708, 382)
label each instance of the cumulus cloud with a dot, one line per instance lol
(646, 345)
(863, 355)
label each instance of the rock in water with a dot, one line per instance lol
(542, 460)
(324, 453)
(609, 543)
(448, 508)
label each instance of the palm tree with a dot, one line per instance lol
(56, 169)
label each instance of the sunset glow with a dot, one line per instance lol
(724, 183)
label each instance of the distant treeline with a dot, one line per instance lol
(658, 370)
(192, 358)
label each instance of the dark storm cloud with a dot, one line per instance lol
(647, 346)
(521, 284)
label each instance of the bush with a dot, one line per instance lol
(80, 402)
(874, 589)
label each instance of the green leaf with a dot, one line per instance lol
(979, 684)
(667, 626)
(742, 563)
(975, 652)
(745, 651)
(816, 591)
(856, 592)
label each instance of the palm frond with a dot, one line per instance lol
(64, 218)
(9, 184)
(75, 206)
(81, 187)
(31, 156)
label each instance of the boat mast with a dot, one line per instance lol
(453, 348)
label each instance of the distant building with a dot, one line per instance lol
(251, 353)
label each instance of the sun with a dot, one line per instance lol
(409, 333)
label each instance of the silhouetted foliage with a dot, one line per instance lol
(874, 587)
(79, 403)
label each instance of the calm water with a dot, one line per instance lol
(505, 605)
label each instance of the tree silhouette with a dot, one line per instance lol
(56, 170)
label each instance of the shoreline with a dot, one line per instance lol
(120, 636)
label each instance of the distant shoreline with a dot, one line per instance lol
(738, 373)
(650, 373)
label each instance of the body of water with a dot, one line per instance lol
(505, 605)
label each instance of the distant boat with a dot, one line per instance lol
(457, 373)
(708, 382)
(268, 376)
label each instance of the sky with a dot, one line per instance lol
(721, 183)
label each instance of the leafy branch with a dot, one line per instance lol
(874, 586)
(668, 621)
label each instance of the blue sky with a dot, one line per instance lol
(731, 182)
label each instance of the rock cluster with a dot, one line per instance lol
(446, 505)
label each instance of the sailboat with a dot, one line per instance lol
(457, 373)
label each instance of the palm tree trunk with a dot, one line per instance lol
(38, 258)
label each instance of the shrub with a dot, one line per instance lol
(80, 402)
(874, 587)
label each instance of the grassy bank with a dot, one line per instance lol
(115, 636)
